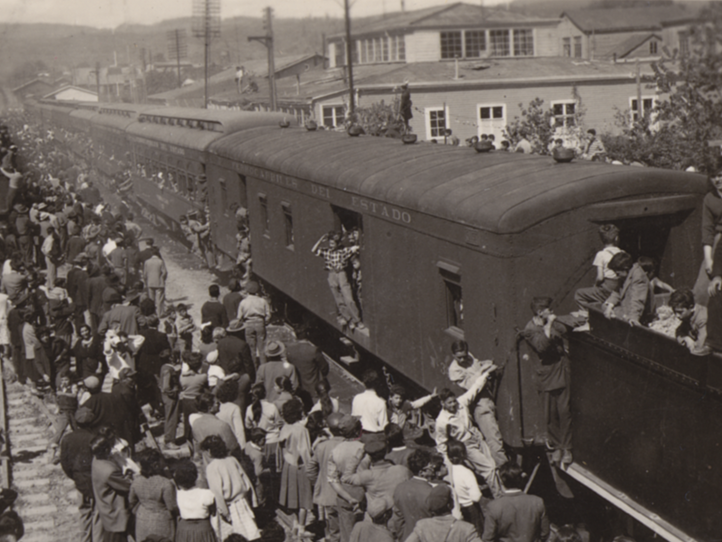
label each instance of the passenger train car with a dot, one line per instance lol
(454, 246)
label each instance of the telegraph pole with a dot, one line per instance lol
(349, 59)
(267, 40)
(206, 25)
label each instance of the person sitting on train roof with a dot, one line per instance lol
(451, 139)
(454, 421)
(546, 337)
(336, 259)
(463, 371)
(607, 280)
(711, 232)
(594, 149)
(523, 145)
(633, 302)
(692, 331)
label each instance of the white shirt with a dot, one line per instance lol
(465, 486)
(602, 260)
(371, 410)
(195, 503)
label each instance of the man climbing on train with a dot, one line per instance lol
(337, 259)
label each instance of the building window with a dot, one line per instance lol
(474, 43)
(362, 47)
(288, 224)
(652, 47)
(524, 42)
(499, 40)
(385, 49)
(263, 202)
(648, 104)
(567, 47)
(436, 122)
(564, 114)
(683, 43)
(340, 53)
(451, 45)
(454, 305)
(492, 120)
(377, 50)
(402, 48)
(333, 115)
(577, 47)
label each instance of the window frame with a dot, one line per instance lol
(526, 39)
(653, 47)
(634, 113)
(565, 115)
(334, 108)
(451, 281)
(567, 47)
(444, 38)
(492, 46)
(427, 120)
(491, 106)
(287, 212)
(578, 48)
(469, 37)
(264, 214)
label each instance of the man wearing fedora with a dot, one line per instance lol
(275, 366)
(123, 316)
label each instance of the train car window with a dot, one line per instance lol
(453, 300)
(288, 224)
(646, 236)
(263, 203)
(348, 222)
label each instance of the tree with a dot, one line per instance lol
(688, 112)
(381, 118)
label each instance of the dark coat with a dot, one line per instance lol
(310, 364)
(409, 506)
(76, 459)
(111, 489)
(234, 356)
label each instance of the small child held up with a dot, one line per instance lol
(607, 281)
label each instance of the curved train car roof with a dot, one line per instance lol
(118, 115)
(196, 128)
(497, 191)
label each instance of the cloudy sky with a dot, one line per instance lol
(111, 13)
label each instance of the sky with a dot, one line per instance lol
(111, 13)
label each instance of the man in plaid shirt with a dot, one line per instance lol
(337, 259)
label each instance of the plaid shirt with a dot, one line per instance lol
(336, 259)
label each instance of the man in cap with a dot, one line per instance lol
(155, 274)
(344, 460)
(515, 516)
(382, 477)
(324, 495)
(442, 525)
(76, 459)
(275, 366)
(255, 313)
(373, 528)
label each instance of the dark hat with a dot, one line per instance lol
(275, 349)
(374, 446)
(126, 372)
(252, 287)
(84, 416)
(378, 507)
(182, 306)
(234, 326)
(439, 498)
(81, 258)
(114, 297)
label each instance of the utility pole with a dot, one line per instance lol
(97, 78)
(206, 25)
(267, 40)
(177, 48)
(349, 59)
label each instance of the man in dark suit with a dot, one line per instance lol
(310, 364)
(78, 286)
(410, 497)
(76, 460)
(515, 516)
(234, 356)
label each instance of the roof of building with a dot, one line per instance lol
(624, 48)
(258, 67)
(62, 89)
(36, 81)
(497, 192)
(630, 19)
(454, 15)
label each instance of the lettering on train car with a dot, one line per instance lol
(381, 209)
(322, 191)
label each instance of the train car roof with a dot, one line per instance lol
(119, 115)
(498, 191)
(194, 128)
(85, 114)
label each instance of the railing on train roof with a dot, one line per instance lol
(196, 124)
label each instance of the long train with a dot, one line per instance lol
(455, 244)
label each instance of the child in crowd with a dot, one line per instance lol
(66, 395)
(195, 504)
(168, 326)
(185, 326)
(692, 331)
(407, 414)
(255, 450)
(607, 280)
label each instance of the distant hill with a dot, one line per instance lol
(26, 49)
(554, 8)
